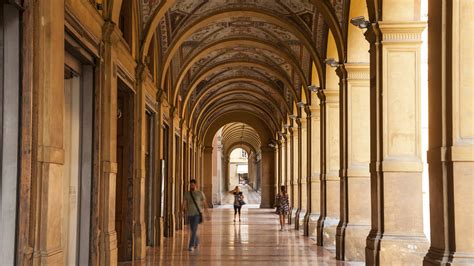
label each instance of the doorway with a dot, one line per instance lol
(78, 159)
(124, 181)
(9, 127)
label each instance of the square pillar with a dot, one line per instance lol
(313, 177)
(332, 179)
(396, 166)
(451, 133)
(268, 177)
(355, 198)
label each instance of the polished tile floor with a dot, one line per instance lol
(256, 240)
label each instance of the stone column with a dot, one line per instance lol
(105, 193)
(314, 171)
(49, 78)
(268, 176)
(308, 170)
(396, 167)
(291, 173)
(296, 174)
(139, 227)
(332, 165)
(355, 214)
(451, 133)
(170, 191)
(322, 180)
(206, 180)
(302, 172)
(279, 168)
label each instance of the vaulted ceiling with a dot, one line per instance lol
(220, 56)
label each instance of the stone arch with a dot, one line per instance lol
(232, 92)
(226, 43)
(252, 107)
(253, 81)
(241, 12)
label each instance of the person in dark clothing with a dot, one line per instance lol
(238, 201)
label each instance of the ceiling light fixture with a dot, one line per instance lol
(360, 22)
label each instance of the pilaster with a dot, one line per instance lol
(308, 171)
(49, 78)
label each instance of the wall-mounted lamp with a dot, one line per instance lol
(300, 104)
(271, 145)
(332, 62)
(360, 22)
(293, 117)
(313, 88)
(286, 126)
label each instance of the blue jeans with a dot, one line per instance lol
(193, 225)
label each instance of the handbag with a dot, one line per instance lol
(195, 204)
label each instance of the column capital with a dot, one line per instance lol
(358, 71)
(402, 32)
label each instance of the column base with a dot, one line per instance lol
(301, 216)
(406, 250)
(442, 257)
(311, 224)
(329, 233)
(354, 240)
(169, 226)
(108, 248)
(293, 217)
(54, 257)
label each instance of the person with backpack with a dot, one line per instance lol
(238, 201)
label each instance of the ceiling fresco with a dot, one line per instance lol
(202, 43)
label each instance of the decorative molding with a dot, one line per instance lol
(358, 71)
(402, 32)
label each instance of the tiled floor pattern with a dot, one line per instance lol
(256, 240)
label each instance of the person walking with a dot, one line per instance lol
(282, 206)
(238, 200)
(194, 201)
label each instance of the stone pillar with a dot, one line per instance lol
(170, 191)
(451, 133)
(322, 180)
(279, 167)
(139, 226)
(268, 177)
(105, 193)
(49, 80)
(294, 178)
(396, 167)
(302, 172)
(308, 170)
(206, 180)
(314, 171)
(355, 182)
(291, 171)
(332, 165)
